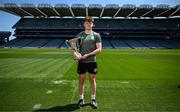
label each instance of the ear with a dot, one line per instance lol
(93, 25)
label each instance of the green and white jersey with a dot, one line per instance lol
(88, 44)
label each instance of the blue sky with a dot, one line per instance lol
(8, 20)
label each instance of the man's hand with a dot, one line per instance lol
(85, 56)
(96, 51)
(77, 56)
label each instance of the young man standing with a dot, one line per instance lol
(90, 45)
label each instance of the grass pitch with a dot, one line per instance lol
(127, 80)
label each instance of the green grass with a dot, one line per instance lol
(127, 80)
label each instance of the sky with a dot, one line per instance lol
(8, 20)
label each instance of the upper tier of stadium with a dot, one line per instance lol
(95, 10)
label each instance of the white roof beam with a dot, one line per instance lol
(147, 12)
(174, 12)
(163, 12)
(56, 11)
(71, 12)
(116, 13)
(101, 12)
(26, 12)
(41, 12)
(86, 11)
(132, 12)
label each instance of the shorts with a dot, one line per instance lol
(87, 67)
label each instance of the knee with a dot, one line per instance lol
(81, 79)
(92, 78)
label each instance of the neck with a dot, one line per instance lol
(88, 31)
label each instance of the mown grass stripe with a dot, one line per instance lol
(18, 65)
(14, 62)
(43, 69)
(27, 66)
(60, 69)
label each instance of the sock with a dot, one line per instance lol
(93, 97)
(81, 96)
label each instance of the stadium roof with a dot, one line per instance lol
(96, 10)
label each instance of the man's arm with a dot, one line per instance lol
(96, 51)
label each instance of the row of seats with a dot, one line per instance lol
(33, 42)
(143, 43)
(56, 23)
(4, 36)
(107, 43)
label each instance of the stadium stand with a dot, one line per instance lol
(54, 43)
(4, 37)
(126, 26)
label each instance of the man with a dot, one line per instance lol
(90, 45)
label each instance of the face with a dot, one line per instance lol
(88, 25)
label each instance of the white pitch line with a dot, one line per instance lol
(37, 106)
(124, 82)
(57, 82)
(49, 92)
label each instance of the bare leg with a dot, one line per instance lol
(92, 79)
(81, 90)
(81, 83)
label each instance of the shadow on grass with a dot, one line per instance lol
(69, 107)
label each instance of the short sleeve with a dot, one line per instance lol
(98, 38)
(79, 35)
